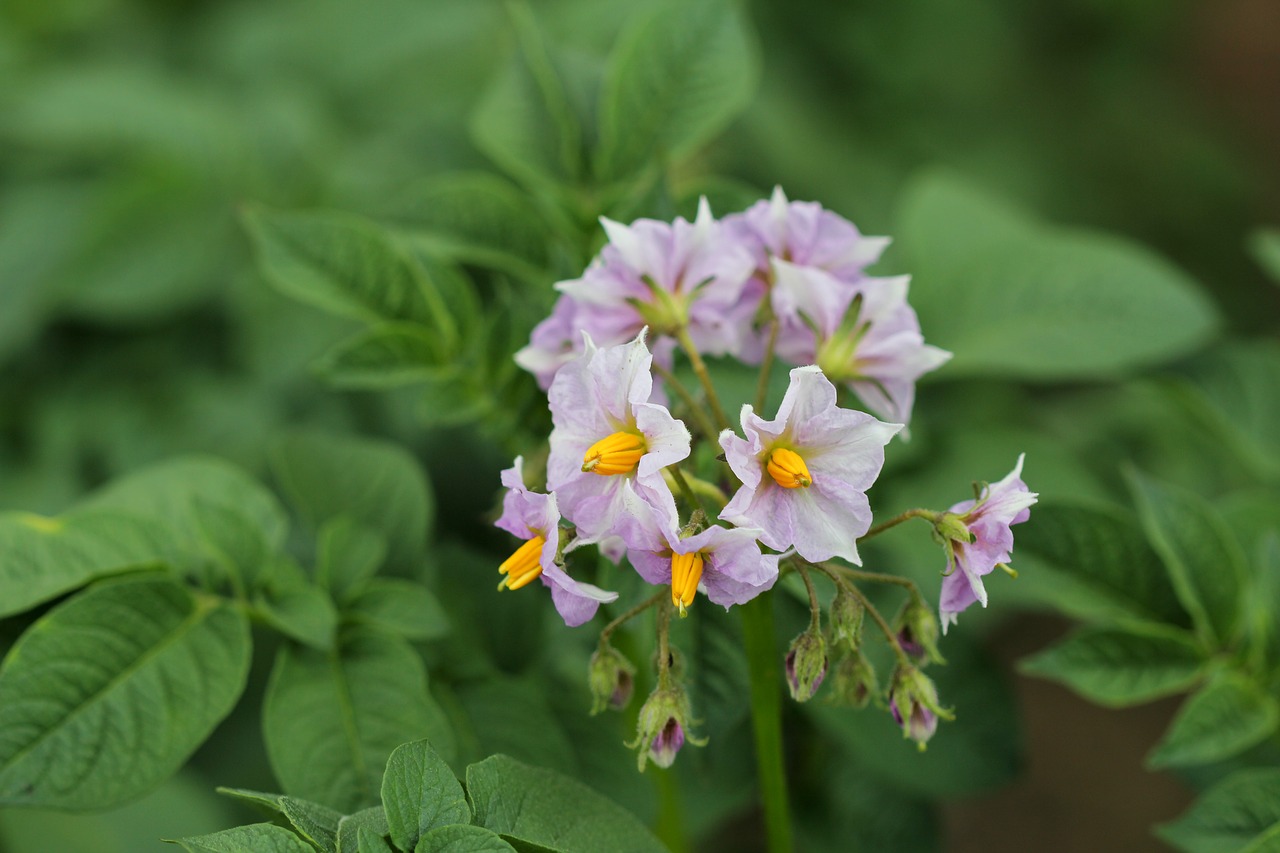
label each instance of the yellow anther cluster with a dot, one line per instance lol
(686, 572)
(788, 469)
(614, 454)
(524, 566)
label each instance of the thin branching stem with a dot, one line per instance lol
(890, 637)
(762, 386)
(699, 414)
(815, 609)
(631, 614)
(927, 514)
(700, 370)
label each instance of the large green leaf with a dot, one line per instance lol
(375, 483)
(383, 356)
(401, 607)
(1104, 550)
(1117, 667)
(361, 831)
(1226, 717)
(525, 121)
(349, 266)
(331, 719)
(111, 692)
(542, 807)
(678, 76)
(1234, 388)
(1229, 815)
(462, 839)
(42, 558)
(1015, 298)
(420, 793)
(1202, 557)
(257, 837)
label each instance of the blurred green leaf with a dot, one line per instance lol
(678, 75)
(1117, 667)
(384, 356)
(529, 804)
(349, 266)
(296, 607)
(1104, 549)
(349, 554)
(462, 839)
(1203, 559)
(330, 720)
(258, 837)
(420, 793)
(80, 735)
(1233, 388)
(720, 679)
(1014, 298)
(535, 735)
(1227, 817)
(525, 122)
(1222, 719)
(1265, 246)
(402, 607)
(376, 483)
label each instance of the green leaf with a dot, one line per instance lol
(720, 679)
(420, 793)
(1014, 298)
(1224, 718)
(354, 829)
(296, 607)
(314, 822)
(1233, 389)
(678, 75)
(1117, 667)
(369, 841)
(1267, 842)
(529, 804)
(110, 692)
(1104, 550)
(1231, 814)
(524, 121)
(979, 750)
(1201, 555)
(349, 266)
(266, 801)
(42, 558)
(330, 720)
(1265, 246)
(462, 839)
(349, 554)
(388, 355)
(258, 837)
(402, 607)
(240, 545)
(179, 495)
(376, 483)
(479, 218)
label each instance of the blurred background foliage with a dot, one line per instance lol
(134, 324)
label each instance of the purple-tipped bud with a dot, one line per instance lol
(918, 632)
(612, 679)
(913, 701)
(663, 727)
(855, 681)
(845, 617)
(806, 665)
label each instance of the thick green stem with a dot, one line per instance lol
(670, 826)
(766, 719)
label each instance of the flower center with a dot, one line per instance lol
(788, 470)
(686, 571)
(614, 454)
(524, 566)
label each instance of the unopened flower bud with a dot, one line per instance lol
(950, 527)
(854, 682)
(845, 617)
(918, 632)
(663, 727)
(806, 665)
(913, 701)
(612, 679)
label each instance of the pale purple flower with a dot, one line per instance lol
(535, 518)
(664, 276)
(987, 520)
(555, 342)
(805, 474)
(600, 409)
(865, 336)
(725, 563)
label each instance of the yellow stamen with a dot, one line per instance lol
(524, 566)
(788, 469)
(686, 571)
(614, 454)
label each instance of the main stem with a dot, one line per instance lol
(766, 719)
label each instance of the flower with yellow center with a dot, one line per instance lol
(524, 566)
(686, 572)
(725, 563)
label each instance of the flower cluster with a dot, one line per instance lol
(782, 280)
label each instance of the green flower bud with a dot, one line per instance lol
(845, 618)
(663, 727)
(918, 632)
(611, 678)
(913, 701)
(855, 682)
(806, 664)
